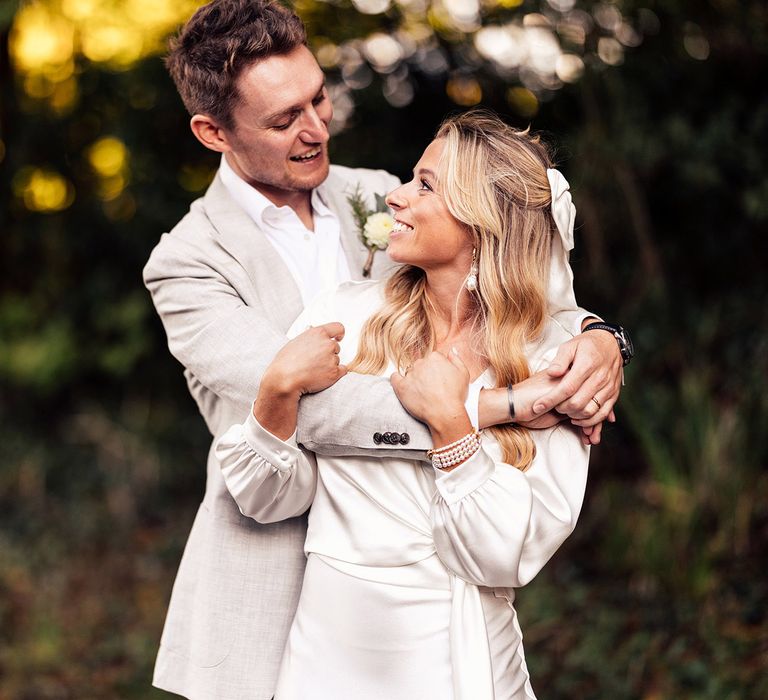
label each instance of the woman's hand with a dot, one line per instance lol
(307, 364)
(434, 390)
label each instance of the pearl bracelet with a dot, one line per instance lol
(455, 453)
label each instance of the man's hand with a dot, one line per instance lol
(526, 393)
(589, 368)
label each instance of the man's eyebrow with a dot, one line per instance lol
(292, 109)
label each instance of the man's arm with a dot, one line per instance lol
(589, 365)
(227, 346)
(224, 343)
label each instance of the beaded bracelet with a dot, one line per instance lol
(457, 452)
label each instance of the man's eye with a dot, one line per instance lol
(282, 126)
(320, 98)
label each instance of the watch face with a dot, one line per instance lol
(628, 351)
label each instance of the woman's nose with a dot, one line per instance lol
(395, 199)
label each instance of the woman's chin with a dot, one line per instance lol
(396, 255)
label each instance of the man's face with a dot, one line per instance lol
(279, 141)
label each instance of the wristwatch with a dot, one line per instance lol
(626, 348)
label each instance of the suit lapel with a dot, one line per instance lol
(334, 192)
(246, 243)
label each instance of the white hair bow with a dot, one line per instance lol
(563, 211)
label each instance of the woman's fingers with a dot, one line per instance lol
(334, 329)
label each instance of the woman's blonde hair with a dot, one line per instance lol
(494, 181)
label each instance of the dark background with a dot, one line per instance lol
(661, 591)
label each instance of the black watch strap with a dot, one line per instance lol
(626, 348)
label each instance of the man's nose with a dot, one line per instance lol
(315, 129)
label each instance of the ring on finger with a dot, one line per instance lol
(597, 403)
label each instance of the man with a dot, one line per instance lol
(274, 228)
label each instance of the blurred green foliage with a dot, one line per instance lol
(660, 593)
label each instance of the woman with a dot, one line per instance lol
(408, 587)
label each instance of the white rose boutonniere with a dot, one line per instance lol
(374, 225)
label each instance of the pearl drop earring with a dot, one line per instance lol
(472, 279)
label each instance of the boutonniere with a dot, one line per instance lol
(374, 225)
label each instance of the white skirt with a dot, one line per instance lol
(383, 633)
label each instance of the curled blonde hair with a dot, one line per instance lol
(494, 181)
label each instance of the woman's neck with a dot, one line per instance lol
(450, 304)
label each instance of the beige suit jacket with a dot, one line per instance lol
(226, 298)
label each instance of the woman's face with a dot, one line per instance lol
(425, 233)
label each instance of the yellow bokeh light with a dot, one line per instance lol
(507, 4)
(464, 91)
(40, 38)
(38, 86)
(524, 102)
(122, 208)
(328, 54)
(155, 15)
(108, 156)
(43, 189)
(64, 96)
(80, 10)
(48, 36)
(195, 178)
(111, 187)
(118, 45)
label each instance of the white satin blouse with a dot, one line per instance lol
(396, 547)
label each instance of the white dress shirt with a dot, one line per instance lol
(315, 258)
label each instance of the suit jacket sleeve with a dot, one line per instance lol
(318, 433)
(225, 344)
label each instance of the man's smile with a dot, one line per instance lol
(307, 157)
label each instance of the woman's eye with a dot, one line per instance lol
(424, 185)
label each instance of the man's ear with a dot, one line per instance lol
(209, 133)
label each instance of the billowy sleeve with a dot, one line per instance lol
(494, 525)
(269, 478)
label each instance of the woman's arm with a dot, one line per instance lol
(493, 524)
(270, 479)
(496, 526)
(266, 473)
(305, 365)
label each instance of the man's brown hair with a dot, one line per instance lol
(218, 42)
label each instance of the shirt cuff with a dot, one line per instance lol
(466, 478)
(571, 321)
(472, 404)
(282, 454)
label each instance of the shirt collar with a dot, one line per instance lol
(255, 203)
